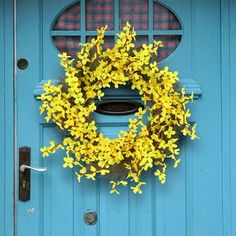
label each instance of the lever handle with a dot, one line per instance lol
(24, 173)
(39, 169)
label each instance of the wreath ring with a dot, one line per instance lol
(70, 104)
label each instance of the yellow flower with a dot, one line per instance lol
(92, 168)
(78, 176)
(91, 176)
(63, 56)
(68, 162)
(176, 163)
(104, 172)
(137, 188)
(193, 134)
(162, 176)
(186, 131)
(83, 170)
(170, 132)
(90, 94)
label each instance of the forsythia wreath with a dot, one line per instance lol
(145, 145)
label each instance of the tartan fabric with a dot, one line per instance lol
(69, 44)
(170, 43)
(108, 41)
(141, 39)
(136, 12)
(69, 19)
(164, 19)
(99, 13)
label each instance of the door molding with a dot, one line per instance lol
(190, 85)
(7, 117)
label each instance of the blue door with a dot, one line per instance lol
(190, 203)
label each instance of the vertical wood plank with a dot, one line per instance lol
(113, 209)
(2, 117)
(232, 90)
(58, 193)
(29, 47)
(86, 198)
(142, 212)
(6, 119)
(207, 112)
(226, 117)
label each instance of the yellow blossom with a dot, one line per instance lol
(68, 162)
(170, 132)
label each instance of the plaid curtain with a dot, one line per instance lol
(69, 44)
(101, 12)
(170, 43)
(108, 41)
(136, 12)
(164, 19)
(69, 19)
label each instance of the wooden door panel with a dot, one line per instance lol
(190, 201)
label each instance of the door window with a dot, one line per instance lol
(79, 22)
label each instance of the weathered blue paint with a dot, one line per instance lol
(6, 119)
(198, 198)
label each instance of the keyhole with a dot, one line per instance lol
(24, 184)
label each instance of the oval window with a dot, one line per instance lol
(71, 27)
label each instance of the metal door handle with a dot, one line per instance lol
(40, 169)
(25, 172)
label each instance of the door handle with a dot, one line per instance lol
(39, 169)
(24, 173)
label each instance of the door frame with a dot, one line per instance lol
(8, 151)
(7, 117)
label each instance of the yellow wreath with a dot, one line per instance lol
(70, 105)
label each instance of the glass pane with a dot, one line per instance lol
(141, 39)
(170, 43)
(69, 19)
(108, 41)
(69, 44)
(164, 19)
(99, 13)
(136, 12)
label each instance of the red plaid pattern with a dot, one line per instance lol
(69, 44)
(170, 43)
(99, 13)
(108, 41)
(136, 12)
(164, 19)
(69, 19)
(141, 39)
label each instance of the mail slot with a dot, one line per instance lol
(118, 107)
